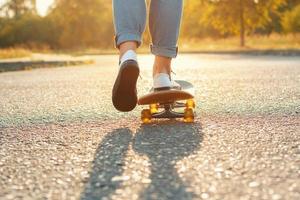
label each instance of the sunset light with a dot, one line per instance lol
(43, 6)
(150, 99)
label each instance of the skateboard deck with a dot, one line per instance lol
(162, 104)
(186, 91)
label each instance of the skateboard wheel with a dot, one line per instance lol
(153, 108)
(146, 116)
(190, 103)
(189, 116)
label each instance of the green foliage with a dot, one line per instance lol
(233, 17)
(17, 8)
(225, 15)
(84, 23)
(291, 20)
(73, 24)
(290, 4)
(29, 29)
(193, 25)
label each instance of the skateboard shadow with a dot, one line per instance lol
(165, 144)
(108, 163)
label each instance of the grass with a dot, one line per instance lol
(272, 42)
(275, 43)
(14, 53)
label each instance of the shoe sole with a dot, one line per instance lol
(124, 96)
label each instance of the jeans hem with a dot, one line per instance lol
(170, 52)
(124, 37)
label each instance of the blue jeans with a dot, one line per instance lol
(164, 24)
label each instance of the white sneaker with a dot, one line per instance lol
(128, 55)
(163, 81)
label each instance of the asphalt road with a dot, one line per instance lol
(60, 137)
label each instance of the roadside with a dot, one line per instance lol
(35, 60)
(16, 59)
(287, 45)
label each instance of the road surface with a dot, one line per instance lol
(60, 137)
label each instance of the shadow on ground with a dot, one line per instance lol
(108, 163)
(164, 144)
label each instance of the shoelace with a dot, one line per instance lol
(172, 72)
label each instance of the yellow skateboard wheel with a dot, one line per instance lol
(189, 116)
(153, 108)
(190, 103)
(146, 116)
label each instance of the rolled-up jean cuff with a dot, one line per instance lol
(124, 37)
(170, 52)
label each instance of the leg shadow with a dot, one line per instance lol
(165, 144)
(108, 163)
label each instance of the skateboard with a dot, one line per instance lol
(164, 103)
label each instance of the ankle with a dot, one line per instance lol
(161, 70)
(126, 46)
(162, 65)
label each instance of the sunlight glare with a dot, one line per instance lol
(43, 6)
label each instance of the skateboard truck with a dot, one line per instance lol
(163, 104)
(168, 111)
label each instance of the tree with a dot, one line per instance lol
(82, 23)
(291, 20)
(16, 8)
(192, 23)
(239, 16)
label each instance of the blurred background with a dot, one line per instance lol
(208, 25)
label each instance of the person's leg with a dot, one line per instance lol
(126, 46)
(162, 65)
(164, 22)
(129, 21)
